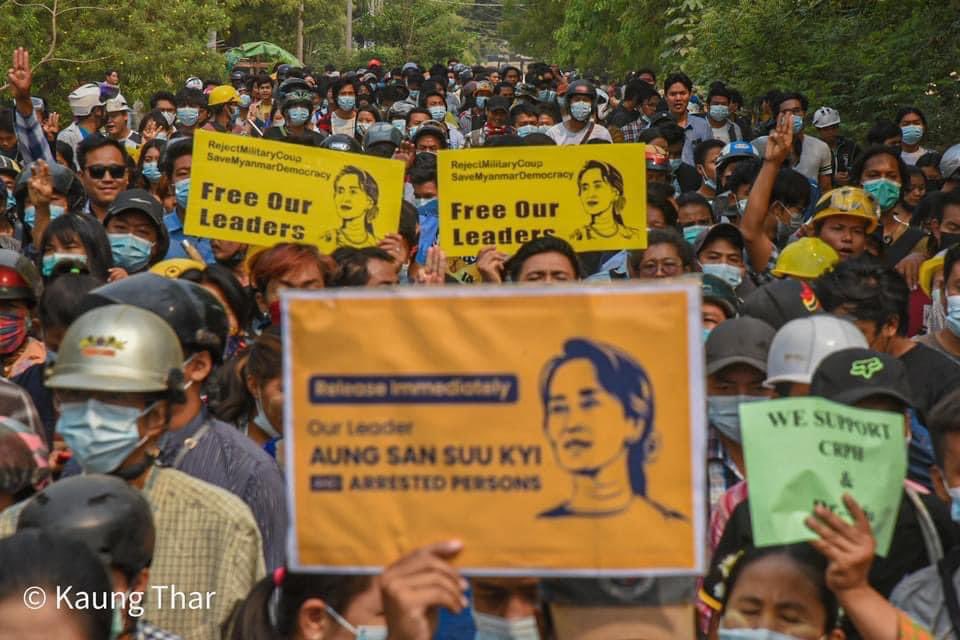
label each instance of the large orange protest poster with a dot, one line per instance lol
(554, 431)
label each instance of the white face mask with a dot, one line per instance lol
(361, 632)
(752, 634)
(496, 628)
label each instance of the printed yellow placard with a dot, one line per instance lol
(593, 196)
(264, 192)
(555, 431)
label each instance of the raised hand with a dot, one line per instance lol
(780, 141)
(19, 75)
(435, 271)
(416, 585)
(490, 264)
(40, 185)
(849, 548)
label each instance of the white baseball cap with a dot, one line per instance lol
(800, 345)
(826, 117)
(117, 104)
(84, 98)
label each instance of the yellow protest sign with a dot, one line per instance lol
(555, 431)
(593, 196)
(264, 192)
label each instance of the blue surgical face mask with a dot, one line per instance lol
(752, 634)
(347, 103)
(438, 113)
(797, 124)
(953, 314)
(706, 334)
(496, 628)
(742, 206)
(719, 112)
(399, 124)
(30, 213)
(710, 184)
(723, 412)
(729, 273)
(954, 503)
(11, 201)
(545, 95)
(245, 101)
(360, 632)
(580, 111)
(51, 260)
(481, 101)
(885, 191)
(262, 421)
(130, 252)
(188, 116)
(911, 133)
(181, 191)
(527, 129)
(422, 202)
(297, 116)
(675, 164)
(161, 136)
(690, 234)
(415, 95)
(100, 435)
(151, 171)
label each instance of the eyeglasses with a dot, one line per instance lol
(99, 171)
(668, 267)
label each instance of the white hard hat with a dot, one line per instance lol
(84, 98)
(193, 82)
(950, 162)
(117, 104)
(800, 345)
(825, 117)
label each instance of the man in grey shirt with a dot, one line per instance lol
(811, 156)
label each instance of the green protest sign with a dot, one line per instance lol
(803, 451)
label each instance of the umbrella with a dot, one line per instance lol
(266, 50)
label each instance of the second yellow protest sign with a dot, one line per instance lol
(264, 192)
(594, 196)
(562, 436)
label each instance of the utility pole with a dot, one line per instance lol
(349, 43)
(300, 32)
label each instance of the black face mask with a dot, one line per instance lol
(10, 153)
(233, 260)
(948, 240)
(934, 185)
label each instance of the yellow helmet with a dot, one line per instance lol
(174, 267)
(928, 269)
(224, 94)
(807, 258)
(848, 201)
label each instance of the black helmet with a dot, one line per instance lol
(237, 76)
(65, 182)
(104, 512)
(341, 142)
(19, 277)
(292, 84)
(582, 87)
(382, 133)
(196, 316)
(283, 71)
(297, 96)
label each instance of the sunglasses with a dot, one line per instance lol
(98, 171)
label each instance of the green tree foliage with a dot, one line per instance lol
(865, 58)
(75, 41)
(423, 30)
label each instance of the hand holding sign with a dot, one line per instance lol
(414, 586)
(849, 548)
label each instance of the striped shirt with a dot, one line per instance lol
(207, 541)
(16, 403)
(224, 457)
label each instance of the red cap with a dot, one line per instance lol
(373, 63)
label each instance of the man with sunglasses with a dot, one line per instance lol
(103, 171)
